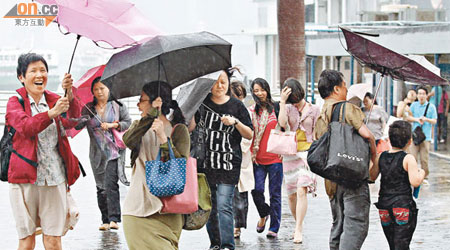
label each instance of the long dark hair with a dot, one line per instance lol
(238, 89)
(165, 92)
(268, 104)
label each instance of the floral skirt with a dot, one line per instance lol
(297, 173)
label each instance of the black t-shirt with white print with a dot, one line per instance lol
(223, 143)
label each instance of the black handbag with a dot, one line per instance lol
(418, 135)
(341, 154)
(198, 138)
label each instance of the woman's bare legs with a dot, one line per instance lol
(301, 207)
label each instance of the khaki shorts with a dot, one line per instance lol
(38, 206)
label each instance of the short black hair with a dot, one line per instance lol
(424, 88)
(399, 133)
(25, 60)
(328, 79)
(297, 91)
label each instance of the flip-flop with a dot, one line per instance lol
(261, 229)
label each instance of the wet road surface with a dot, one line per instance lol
(433, 227)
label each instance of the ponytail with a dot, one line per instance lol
(178, 116)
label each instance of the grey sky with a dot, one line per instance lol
(223, 17)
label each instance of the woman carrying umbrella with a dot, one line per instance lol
(301, 116)
(105, 155)
(143, 225)
(38, 192)
(226, 121)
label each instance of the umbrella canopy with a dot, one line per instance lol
(359, 90)
(388, 62)
(84, 84)
(83, 92)
(118, 23)
(175, 59)
(192, 95)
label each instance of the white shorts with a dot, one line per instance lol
(39, 206)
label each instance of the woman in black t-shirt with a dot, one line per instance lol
(226, 121)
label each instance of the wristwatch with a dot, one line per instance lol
(236, 121)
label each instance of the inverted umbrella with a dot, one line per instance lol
(175, 59)
(192, 95)
(387, 62)
(118, 23)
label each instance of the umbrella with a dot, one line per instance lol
(192, 95)
(359, 90)
(117, 23)
(84, 94)
(387, 62)
(175, 59)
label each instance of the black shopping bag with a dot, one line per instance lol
(341, 154)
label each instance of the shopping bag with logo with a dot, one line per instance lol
(341, 154)
(282, 143)
(186, 202)
(166, 178)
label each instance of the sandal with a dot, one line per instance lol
(104, 227)
(237, 233)
(271, 235)
(260, 229)
(113, 225)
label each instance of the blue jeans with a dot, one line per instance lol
(220, 224)
(275, 172)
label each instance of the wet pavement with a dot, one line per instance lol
(433, 229)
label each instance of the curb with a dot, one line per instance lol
(441, 156)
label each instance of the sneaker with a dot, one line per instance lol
(104, 227)
(113, 225)
(442, 141)
(214, 248)
(425, 182)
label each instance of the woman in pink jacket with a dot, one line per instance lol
(38, 193)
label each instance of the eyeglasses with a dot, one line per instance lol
(140, 100)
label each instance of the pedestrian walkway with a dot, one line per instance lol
(433, 230)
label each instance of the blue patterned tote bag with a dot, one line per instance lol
(166, 178)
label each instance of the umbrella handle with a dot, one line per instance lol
(64, 115)
(374, 98)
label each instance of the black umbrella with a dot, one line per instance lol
(191, 96)
(175, 59)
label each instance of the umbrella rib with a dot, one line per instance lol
(164, 69)
(112, 26)
(217, 54)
